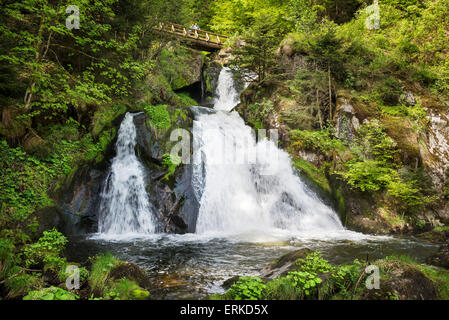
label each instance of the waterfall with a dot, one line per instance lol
(237, 193)
(124, 207)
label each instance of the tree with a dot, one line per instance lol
(257, 51)
(64, 67)
(304, 15)
(327, 50)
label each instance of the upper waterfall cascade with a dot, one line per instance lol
(236, 194)
(125, 208)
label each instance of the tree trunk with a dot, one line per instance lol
(318, 103)
(6, 117)
(330, 89)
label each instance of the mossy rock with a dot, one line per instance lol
(284, 264)
(402, 282)
(104, 117)
(130, 271)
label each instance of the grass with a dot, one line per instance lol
(101, 266)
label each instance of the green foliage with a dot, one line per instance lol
(46, 250)
(124, 289)
(368, 175)
(257, 54)
(170, 163)
(83, 273)
(314, 278)
(246, 288)
(258, 112)
(20, 283)
(323, 141)
(158, 116)
(7, 258)
(104, 117)
(51, 293)
(39, 50)
(101, 265)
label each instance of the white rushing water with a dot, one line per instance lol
(125, 208)
(244, 185)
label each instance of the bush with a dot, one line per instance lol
(46, 250)
(246, 288)
(52, 293)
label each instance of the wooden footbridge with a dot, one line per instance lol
(196, 38)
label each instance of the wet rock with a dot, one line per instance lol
(211, 74)
(228, 283)
(225, 55)
(172, 197)
(283, 265)
(77, 202)
(441, 258)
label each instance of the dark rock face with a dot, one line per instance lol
(284, 264)
(441, 258)
(210, 74)
(78, 203)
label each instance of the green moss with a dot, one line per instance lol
(103, 117)
(314, 175)
(185, 100)
(158, 116)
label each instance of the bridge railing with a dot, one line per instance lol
(197, 34)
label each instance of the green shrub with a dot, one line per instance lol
(46, 250)
(51, 293)
(323, 141)
(246, 288)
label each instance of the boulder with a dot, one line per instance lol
(403, 282)
(284, 264)
(132, 272)
(441, 258)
